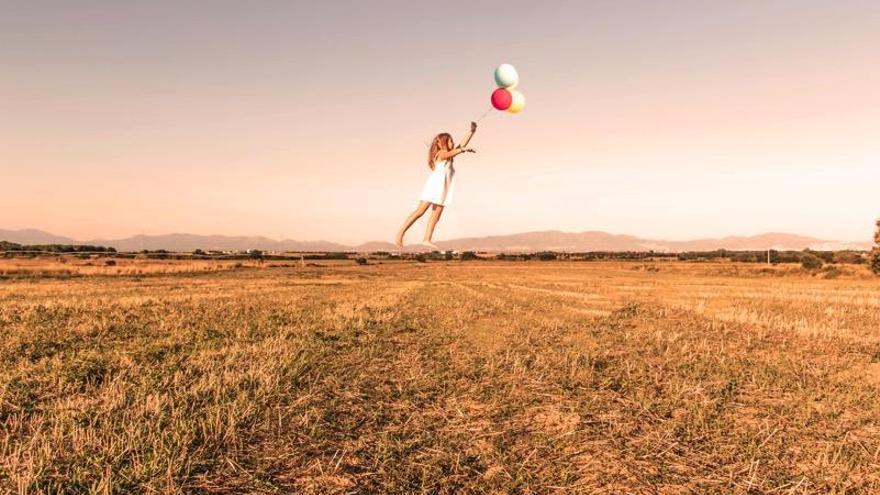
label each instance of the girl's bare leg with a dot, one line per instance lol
(411, 219)
(429, 232)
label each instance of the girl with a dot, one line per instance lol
(437, 192)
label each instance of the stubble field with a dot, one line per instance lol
(458, 377)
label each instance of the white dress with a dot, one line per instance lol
(438, 188)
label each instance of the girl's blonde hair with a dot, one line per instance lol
(443, 139)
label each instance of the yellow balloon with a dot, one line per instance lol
(518, 103)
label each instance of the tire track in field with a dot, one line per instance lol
(555, 297)
(498, 320)
(757, 308)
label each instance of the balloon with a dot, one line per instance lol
(506, 76)
(517, 102)
(501, 99)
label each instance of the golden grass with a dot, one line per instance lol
(475, 377)
(67, 266)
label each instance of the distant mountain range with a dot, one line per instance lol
(175, 242)
(550, 240)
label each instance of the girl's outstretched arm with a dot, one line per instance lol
(467, 138)
(462, 147)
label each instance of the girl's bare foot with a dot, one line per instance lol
(399, 241)
(431, 245)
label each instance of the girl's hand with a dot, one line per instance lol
(473, 127)
(468, 150)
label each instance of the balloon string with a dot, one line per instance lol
(487, 112)
(479, 119)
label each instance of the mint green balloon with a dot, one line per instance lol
(506, 76)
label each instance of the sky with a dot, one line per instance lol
(310, 120)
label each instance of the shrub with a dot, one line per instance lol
(831, 272)
(810, 261)
(361, 261)
(848, 258)
(875, 253)
(110, 262)
(825, 256)
(468, 255)
(746, 257)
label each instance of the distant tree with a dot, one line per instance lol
(875, 253)
(9, 246)
(546, 256)
(826, 256)
(199, 252)
(55, 248)
(361, 260)
(468, 255)
(786, 256)
(747, 256)
(256, 254)
(848, 257)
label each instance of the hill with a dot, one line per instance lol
(34, 236)
(549, 240)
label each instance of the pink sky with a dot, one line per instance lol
(668, 120)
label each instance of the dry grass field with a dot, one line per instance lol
(68, 266)
(458, 377)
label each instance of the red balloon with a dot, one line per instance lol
(501, 99)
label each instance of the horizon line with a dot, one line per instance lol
(868, 239)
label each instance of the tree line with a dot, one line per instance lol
(808, 258)
(55, 248)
